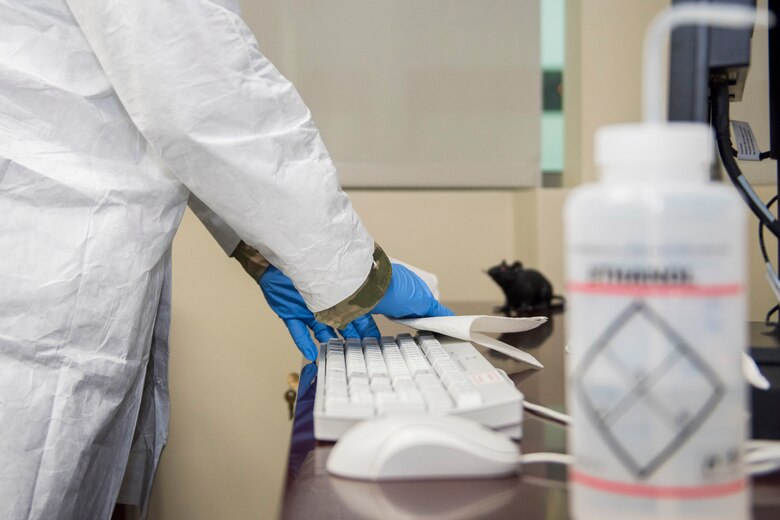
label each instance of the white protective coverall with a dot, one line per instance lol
(111, 112)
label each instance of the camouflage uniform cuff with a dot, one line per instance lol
(251, 260)
(365, 298)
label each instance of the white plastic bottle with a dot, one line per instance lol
(655, 261)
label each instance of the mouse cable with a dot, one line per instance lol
(721, 123)
(762, 456)
(546, 457)
(547, 413)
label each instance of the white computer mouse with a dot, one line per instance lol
(413, 447)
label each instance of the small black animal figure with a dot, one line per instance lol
(525, 289)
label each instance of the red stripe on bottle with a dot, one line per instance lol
(674, 290)
(647, 491)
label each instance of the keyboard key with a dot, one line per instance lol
(362, 399)
(356, 367)
(376, 366)
(381, 384)
(454, 378)
(427, 380)
(438, 401)
(335, 402)
(402, 382)
(410, 396)
(444, 366)
(359, 385)
(465, 396)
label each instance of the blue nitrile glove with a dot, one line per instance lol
(287, 303)
(409, 297)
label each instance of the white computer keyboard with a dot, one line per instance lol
(426, 374)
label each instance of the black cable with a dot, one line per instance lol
(769, 315)
(720, 121)
(761, 231)
(720, 101)
(762, 245)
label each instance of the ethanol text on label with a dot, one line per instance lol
(640, 275)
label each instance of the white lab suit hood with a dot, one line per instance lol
(110, 113)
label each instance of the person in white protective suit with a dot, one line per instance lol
(111, 114)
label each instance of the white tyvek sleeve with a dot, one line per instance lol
(235, 132)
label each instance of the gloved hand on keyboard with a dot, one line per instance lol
(407, 296)
(287, 303)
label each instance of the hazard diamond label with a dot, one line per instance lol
(629, 386)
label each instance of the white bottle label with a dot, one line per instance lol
(656, 333)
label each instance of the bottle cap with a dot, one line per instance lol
(658, 146)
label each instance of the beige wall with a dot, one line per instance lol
(230, 355)
(455, 234)
(458, 82)
(604, 48)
